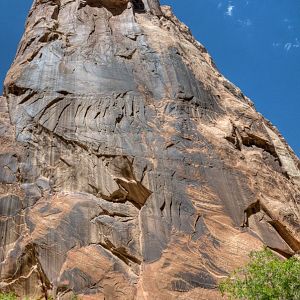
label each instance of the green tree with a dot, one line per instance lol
(265, 277)
(8, 296)
(12, 296)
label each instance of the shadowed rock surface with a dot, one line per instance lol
(130, 168)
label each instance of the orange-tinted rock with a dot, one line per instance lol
(130, 168)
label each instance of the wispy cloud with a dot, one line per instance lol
(296, 43)
(289, 23)
(220, 5)
(276, 44)
(245, 23)
(288, 46)
(229, 10)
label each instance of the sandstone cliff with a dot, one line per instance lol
(130, 168)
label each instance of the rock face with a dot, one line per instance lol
(130, 168)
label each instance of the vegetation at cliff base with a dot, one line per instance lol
(12, 296)
(265, 277)
(7, 296)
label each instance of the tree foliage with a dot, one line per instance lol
(12, 296)
(7, 296)
(265, 277)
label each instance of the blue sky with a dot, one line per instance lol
(255, 44)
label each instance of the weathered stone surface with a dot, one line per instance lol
(130, 168)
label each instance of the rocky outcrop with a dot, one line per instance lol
(130, 168)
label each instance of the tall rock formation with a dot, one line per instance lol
(130, 168)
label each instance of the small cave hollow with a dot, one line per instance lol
(138, 6)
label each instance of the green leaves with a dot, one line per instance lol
(265, 277)
(8, 296)
(12, 296)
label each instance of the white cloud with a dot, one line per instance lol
(245, 23)
(288, 46)
(296, 43)
(220, 5)
(229, 10)
(289, 23)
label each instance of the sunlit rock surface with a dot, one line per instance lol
(130, 168)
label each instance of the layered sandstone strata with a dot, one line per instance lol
(130, 168)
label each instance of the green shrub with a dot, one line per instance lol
(8, 296)
(265, 277)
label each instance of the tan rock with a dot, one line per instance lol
(130, 168)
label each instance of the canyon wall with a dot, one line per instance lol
(130, 168)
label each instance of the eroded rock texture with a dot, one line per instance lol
(130, 168)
